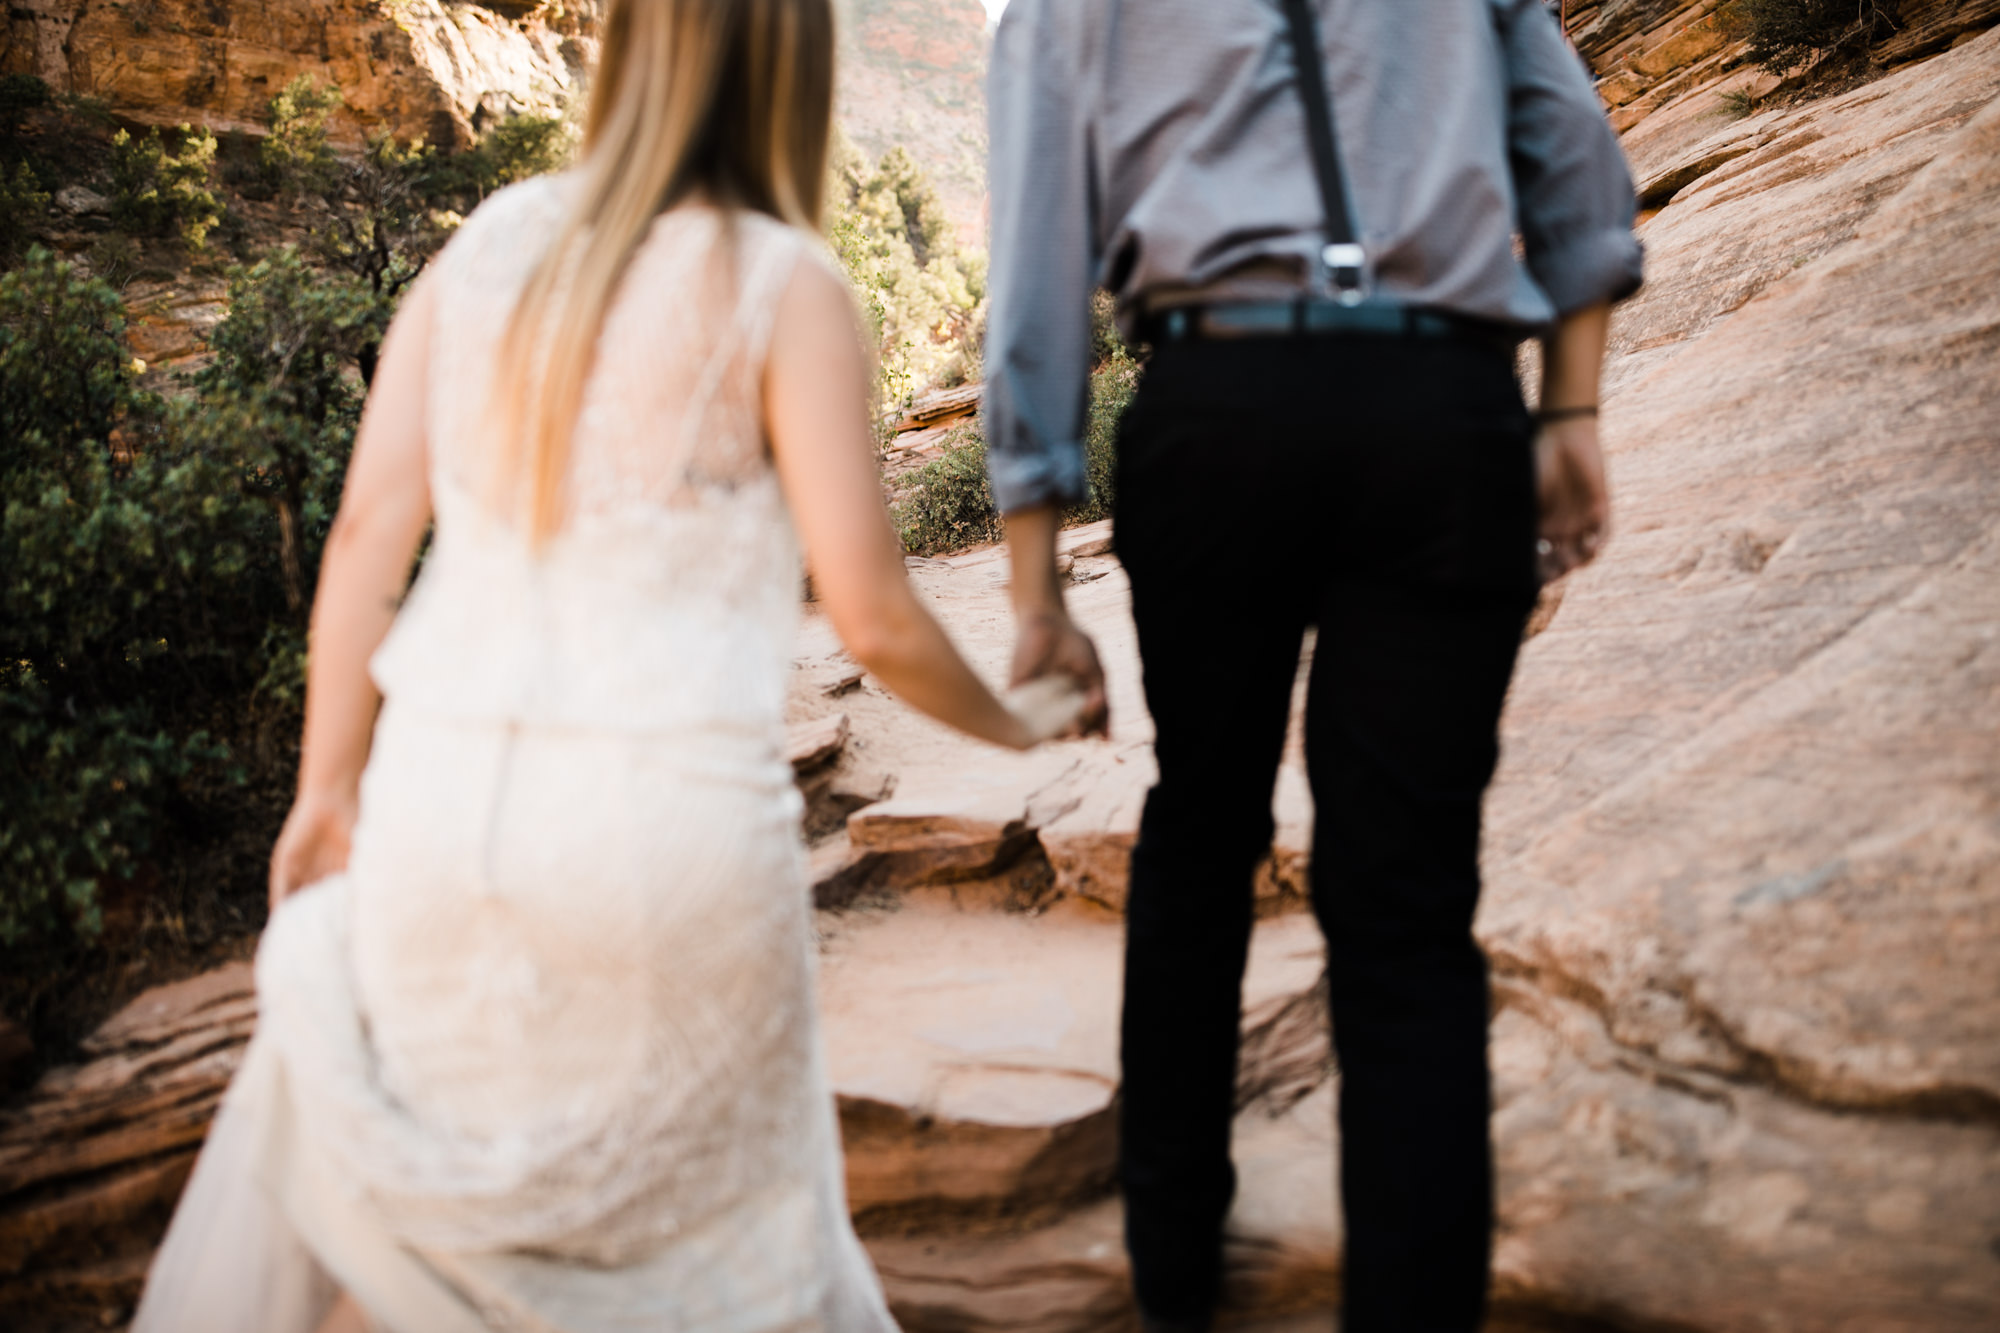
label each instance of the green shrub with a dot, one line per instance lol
(1738, 103)
(155, 566)
(23, 206)
(948, 503)
(1112, 385)
(20, 94)
(85, 762)
(516, 149)
(296, 157)
(162, 192)
(115, 258)
(1788, 35)
(919, 291)
(278, 396)
(382, 228)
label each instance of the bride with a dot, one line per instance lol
(537, 1046)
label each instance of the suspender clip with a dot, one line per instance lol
(1346, 267)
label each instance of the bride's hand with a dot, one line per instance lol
(1046, 707)
(313, 844)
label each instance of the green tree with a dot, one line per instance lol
(947, 505)
(921, 292)
(19, 94)
(1788, 35)
(278, 391)
(85, 760)
(23, 205)
(156, 562)
(157, 191)
(297, 157)
(516, 149)
(382, 228)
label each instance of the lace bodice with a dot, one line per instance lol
(667, 600)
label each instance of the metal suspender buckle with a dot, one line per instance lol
(1346, 268)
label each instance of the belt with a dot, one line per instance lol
(1309, 316)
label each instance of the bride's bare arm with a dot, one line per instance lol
(816, 407)
(363, 574)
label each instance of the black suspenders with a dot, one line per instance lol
(1343, 257)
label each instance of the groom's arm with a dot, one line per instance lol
(1037, 349)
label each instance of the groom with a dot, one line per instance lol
(1323, 257)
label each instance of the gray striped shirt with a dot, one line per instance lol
(1157, 148)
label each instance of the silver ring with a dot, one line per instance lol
(1545, 547)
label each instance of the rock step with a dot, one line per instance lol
(975, 1054)
(1281, 1257)
(1078, 824)
(94, 1157)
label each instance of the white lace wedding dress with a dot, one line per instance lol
(546, 1056)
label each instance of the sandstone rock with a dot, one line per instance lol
(833, 782)
(1926, 26)
(1086, 540)
(170, 323)
(1099, 803)
(1281, 1252)
(1779, 190)
(939, 406)
(812, 745)
(1744, 850)
(977, 827)
(1651, 56)
(94, 1157)
(80, 199)
(1637, 1194)
(437, 69)
(974, 1054)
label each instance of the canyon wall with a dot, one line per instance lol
(911, 71)
(439, 69)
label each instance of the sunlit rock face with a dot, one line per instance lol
(911, 72)
(439, 69)
(1744, 849)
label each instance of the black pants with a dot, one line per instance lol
(1380, 489)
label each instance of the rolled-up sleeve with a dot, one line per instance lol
(1574, 189)
(1037, 350)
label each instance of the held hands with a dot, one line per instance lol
(1569, 485)
(1045, 708)
(313, 844)
(1058, 684)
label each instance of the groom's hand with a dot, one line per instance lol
(1048, 642)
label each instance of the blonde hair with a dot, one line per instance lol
(729, 99)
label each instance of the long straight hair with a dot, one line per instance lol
(731, 100)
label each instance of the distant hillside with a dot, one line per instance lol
(913, 72)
